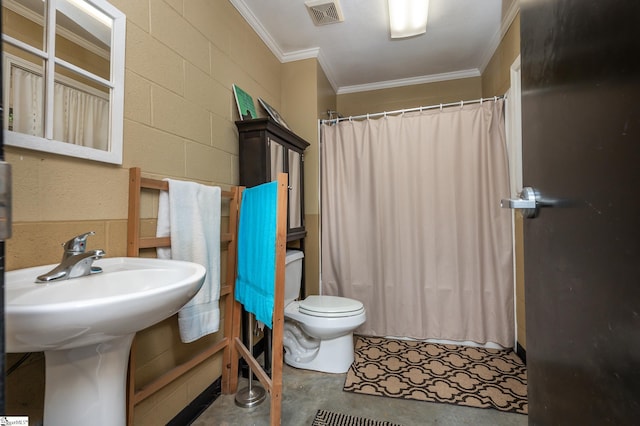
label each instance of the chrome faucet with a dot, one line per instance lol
(76, 261)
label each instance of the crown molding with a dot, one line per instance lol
(330, 74)
(254, 23)
(299, 55)
(509, 16)
(328, 71)
(432, 78)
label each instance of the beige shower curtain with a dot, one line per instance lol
(412, 224)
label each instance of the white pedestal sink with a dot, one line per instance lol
(85, 327)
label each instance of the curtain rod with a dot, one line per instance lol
(402, 111)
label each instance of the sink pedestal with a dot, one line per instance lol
(85, 327)
(87, 385)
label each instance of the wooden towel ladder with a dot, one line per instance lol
(272, 384)
(135, 242)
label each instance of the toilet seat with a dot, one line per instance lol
(330, 306)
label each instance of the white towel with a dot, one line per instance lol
(190, 213)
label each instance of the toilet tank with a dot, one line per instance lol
(292, 275)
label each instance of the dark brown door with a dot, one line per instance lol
(581, 151)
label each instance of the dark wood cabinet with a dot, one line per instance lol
(266, 149)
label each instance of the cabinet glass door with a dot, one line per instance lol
(295, 190)
(276, 158)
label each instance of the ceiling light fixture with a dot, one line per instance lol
(408, 18)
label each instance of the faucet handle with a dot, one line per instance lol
(77, 244)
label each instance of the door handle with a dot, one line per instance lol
(529, 202)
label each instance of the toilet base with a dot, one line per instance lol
(333, 356)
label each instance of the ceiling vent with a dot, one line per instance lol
(325, 12)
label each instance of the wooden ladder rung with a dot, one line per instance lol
(154, 242)
(135, 242)
(178, 371)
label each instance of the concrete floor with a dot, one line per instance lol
(306, 391)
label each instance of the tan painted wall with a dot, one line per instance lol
(496, 76)
(182, 58)
(300, 91)
(307, 94)
(409, 96)
(326, 100)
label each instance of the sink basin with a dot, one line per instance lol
(129, 295)
(85, 327)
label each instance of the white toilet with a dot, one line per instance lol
(318, 331)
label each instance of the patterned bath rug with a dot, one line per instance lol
(328, 418)
(462, 375)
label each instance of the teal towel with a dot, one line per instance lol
(255, 283)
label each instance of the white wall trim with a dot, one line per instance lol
(410, 81)
(513, 130)
(275, 48)
(298, 55)
(509, 17)
(258, 28)
(507, 20)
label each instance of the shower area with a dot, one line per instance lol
(412, 225)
